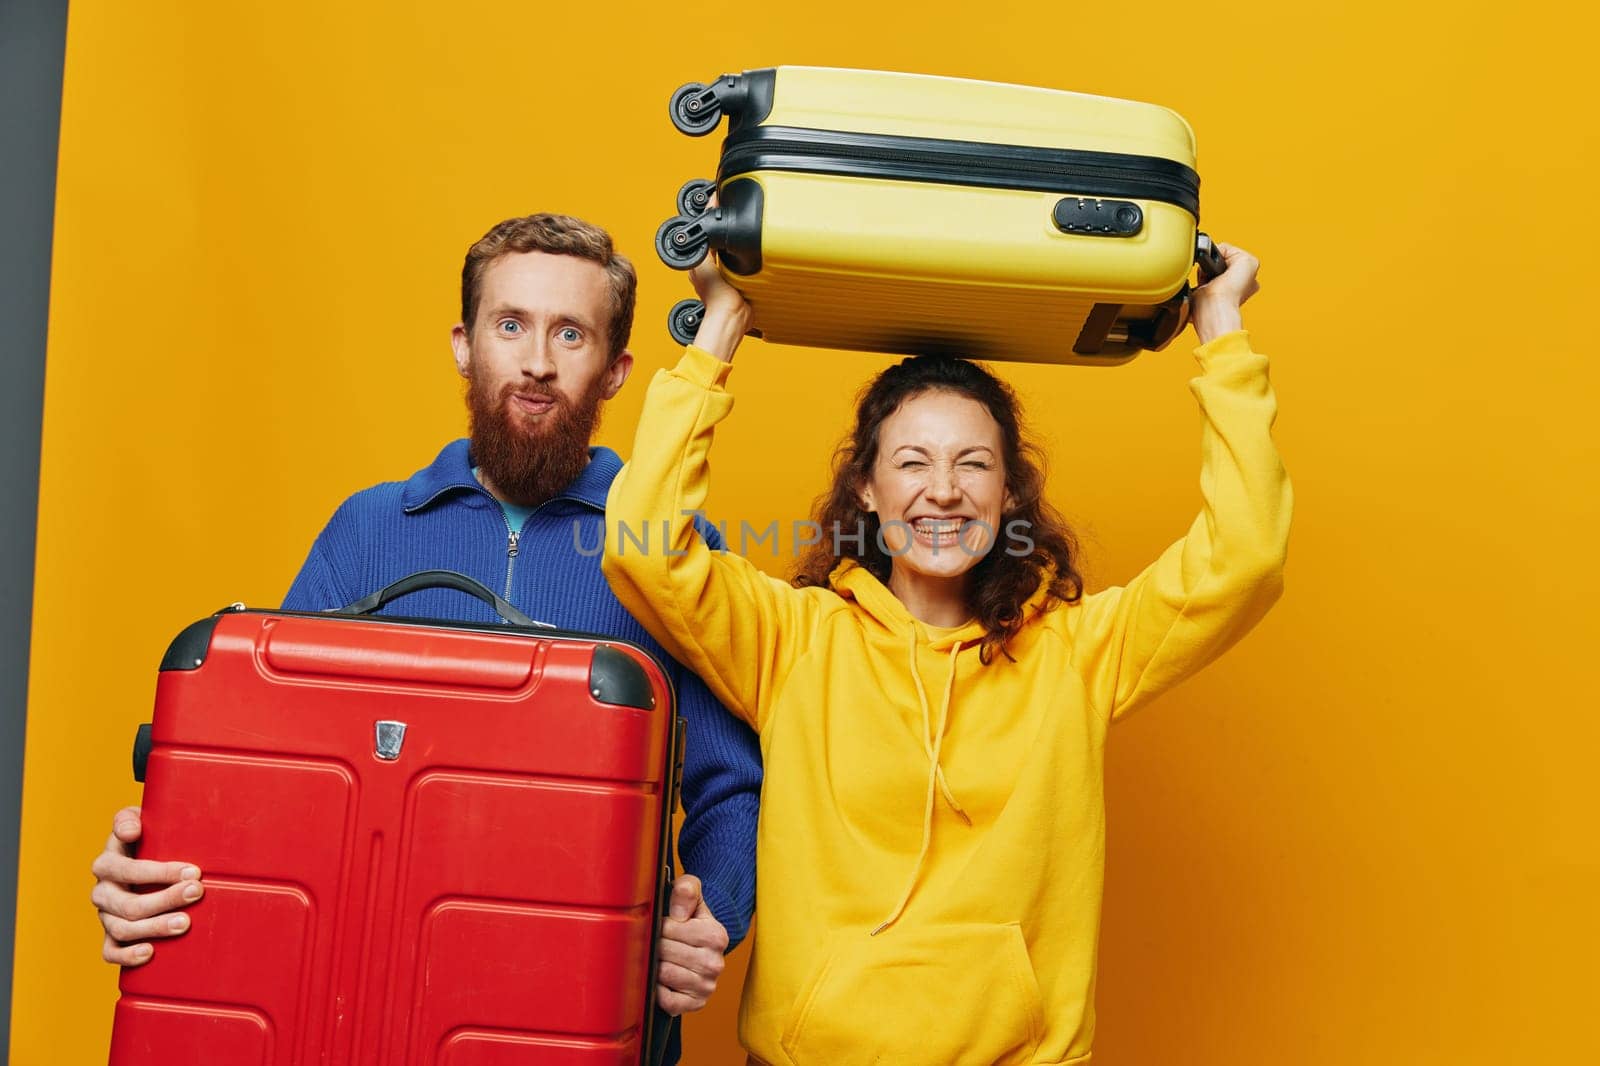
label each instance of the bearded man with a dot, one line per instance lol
(546, 309)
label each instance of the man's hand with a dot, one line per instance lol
(692, 943)
(1214, 307)
(130, 916)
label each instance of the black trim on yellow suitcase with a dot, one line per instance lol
(979, 163)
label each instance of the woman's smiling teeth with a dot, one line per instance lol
(940, 532)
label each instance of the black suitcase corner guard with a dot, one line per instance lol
(615, 678)
(188, 649)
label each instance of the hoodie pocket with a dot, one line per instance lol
(949, 995)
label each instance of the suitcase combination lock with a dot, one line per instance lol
(1088, 217)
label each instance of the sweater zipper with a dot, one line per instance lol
(512, 538)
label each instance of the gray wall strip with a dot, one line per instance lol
(33, 38)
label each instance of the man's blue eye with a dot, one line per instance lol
(570, 334)
(510, 325)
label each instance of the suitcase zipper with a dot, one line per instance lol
(926, 159)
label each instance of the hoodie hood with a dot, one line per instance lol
(855, 582)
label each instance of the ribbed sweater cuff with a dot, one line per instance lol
(723, 882)
(720, 905)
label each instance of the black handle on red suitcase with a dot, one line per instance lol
(440, 579)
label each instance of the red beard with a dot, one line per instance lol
(529, 461)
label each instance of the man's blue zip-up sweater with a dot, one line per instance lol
(443, 519)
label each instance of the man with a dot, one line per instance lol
(546, 309)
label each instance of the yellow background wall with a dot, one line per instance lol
(1367, 836)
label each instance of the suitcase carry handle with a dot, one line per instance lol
(1209, 258)
(440, 579)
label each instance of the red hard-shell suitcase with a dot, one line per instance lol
(423, 842)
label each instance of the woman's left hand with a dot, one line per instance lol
(1214, 306)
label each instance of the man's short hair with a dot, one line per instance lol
(556, 235)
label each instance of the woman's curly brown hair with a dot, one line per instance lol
(1002, 581)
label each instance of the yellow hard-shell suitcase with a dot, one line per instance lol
(888, 212)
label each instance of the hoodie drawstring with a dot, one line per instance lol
(944, 710)
(936, 779)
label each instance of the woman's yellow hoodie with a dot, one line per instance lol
(932, 834)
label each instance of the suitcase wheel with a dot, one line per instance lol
(695, 109)
(682, 242)
(695, 196)
(683, 321)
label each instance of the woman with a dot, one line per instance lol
(933, 709)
